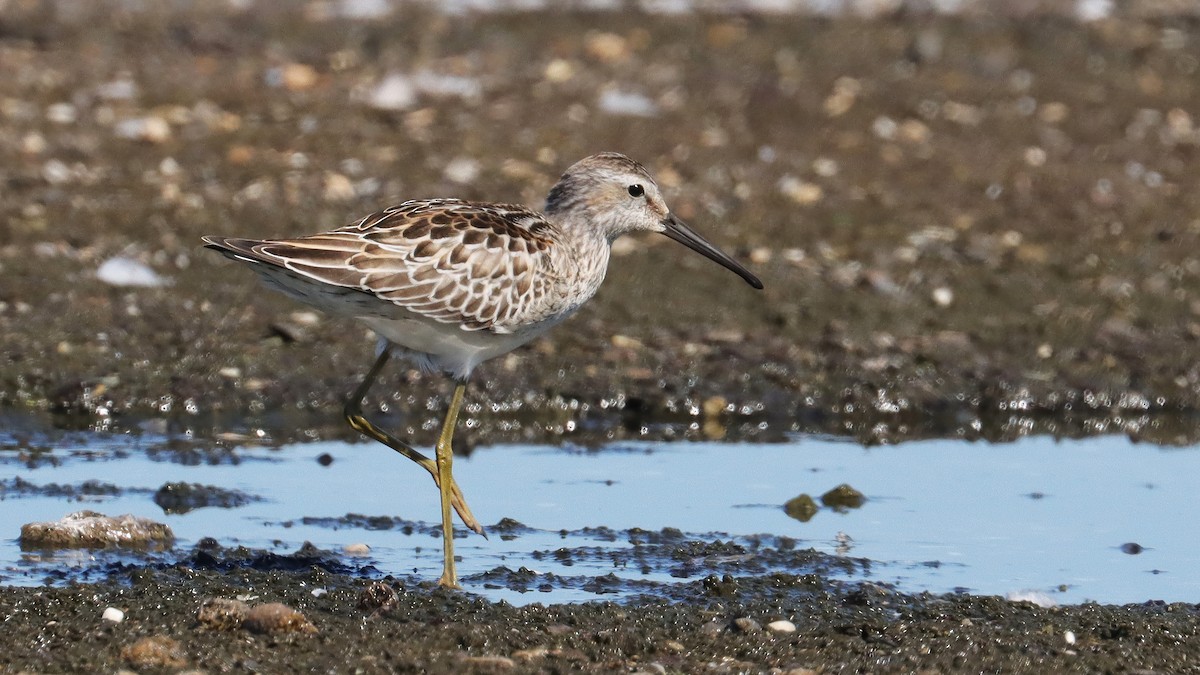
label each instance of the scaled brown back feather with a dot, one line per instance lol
(432, 257)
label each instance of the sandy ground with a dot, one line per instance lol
(978, 226)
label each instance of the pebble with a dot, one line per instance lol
(394, 92)
(461, 170)
(89, 529)
(439, 84)
(121, 89)
(1033, 597)
(559, 70)
(942, 296)
(489, 662)
(379, 596)
(800, 191)
(714, 406)
(276, 617)
(844, 497)
(149, 129)
(357, 549)
(292, 76)
(222, 613)
(61, 113)
(801, 507)
(625, 342)
(127, 272)
(299, 77)
(531, 654)
(747, 625)
(845, 93)
(607, 47)
(761, 255)
(627, 103)
(33, 143)
(338, 188)
(781, 626)
(113, 615)
(157, 651)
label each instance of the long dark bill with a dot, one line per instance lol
(680, 232)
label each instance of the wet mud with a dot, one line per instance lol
(322, 617)
(979, 226)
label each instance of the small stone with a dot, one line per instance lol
(359, 549)
(276, 617)
(747, 625)
(1053, 113)
(378, 597)
(607, 47)
(61, 113)
(761, 255)
(843, 497)
(121, 271)
(338, 188)
(148, 129)
(527, 655)
(627, 103)
(113, 615)
(158, 651)
(839, 102)
(714, 406)
(802, 508)
(781, 626)
(88, 529)
(1132, 548)
(825, 167)
(942, 296)
(297, 76)
(493, 663)
(123, 88)
(461, 170)
(559, 70)
(914, 132)
(239, 155)
(222, 613)
(33, 143)
(800, 191)
(394, 92)
(1033, 597)
(625, 342)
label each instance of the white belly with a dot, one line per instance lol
(447, 347)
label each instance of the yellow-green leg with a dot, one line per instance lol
(354, 416)
(445, 458)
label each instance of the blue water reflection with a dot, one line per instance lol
(1036, 515)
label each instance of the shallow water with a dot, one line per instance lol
(1039, 515)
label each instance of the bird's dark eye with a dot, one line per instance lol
(636, 190)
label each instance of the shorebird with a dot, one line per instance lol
(451, 283)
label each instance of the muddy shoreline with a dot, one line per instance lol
(977, 226)
(720, 622)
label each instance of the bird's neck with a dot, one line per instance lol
(585, 256)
